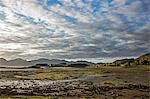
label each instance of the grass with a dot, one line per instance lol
(59, 74)
(73, 73)
(49, 75)
(68, 73)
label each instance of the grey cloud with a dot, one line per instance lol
(92, 36)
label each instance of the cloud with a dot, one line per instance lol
(74, 29)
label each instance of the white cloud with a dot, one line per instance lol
(33, 27)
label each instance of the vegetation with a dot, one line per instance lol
(48, 75)
(143, 61)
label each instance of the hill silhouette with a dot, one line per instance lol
(21, 62)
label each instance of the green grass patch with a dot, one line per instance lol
(50, 75)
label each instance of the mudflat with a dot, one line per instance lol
(90, 82)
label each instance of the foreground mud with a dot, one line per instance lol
(84, 83)
(76, 88)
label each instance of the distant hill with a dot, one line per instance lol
(15, 62)
(81, 62)
(3, 61)
(18, 62)
(142, 60)
(122, 62)
(47, 61)
(21, 62)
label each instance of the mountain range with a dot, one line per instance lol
(142, 60)
(21, 62)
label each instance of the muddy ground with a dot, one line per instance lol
(92, 82)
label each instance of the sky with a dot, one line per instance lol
(96, 30)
